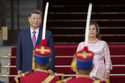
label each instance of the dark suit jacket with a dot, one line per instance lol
(25, 47)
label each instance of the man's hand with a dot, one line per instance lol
(51, 72)
(19, 72)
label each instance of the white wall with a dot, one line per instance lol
(4, 51)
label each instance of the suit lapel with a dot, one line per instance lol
(29, 37)
(39, 37)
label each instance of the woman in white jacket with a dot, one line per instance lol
(102, 60)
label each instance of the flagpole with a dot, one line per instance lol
(88, 23)
(45, 21)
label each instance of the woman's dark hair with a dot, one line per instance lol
(97, 27)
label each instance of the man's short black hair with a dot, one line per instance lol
(35, 11)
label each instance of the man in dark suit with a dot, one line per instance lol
(25, 45)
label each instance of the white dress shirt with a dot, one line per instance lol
(36, 34)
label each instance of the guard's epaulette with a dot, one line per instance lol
(96, 81)
(99, 81)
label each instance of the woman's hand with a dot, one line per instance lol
(107, 75)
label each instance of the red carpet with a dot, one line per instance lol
(117, 54)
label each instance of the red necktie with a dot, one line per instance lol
(34, 38)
